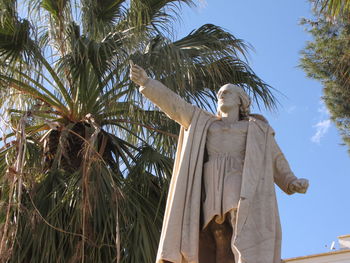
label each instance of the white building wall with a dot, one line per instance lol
(339, 256)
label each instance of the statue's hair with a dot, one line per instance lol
(244, 108)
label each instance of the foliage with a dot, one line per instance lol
(85, 161)
(326, 59)
(334, 8)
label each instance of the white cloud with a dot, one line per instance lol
(323, 110)
(321, 129)
(323, 125)
(291, 109)
(202, 4)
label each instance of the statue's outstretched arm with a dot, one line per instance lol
(284, 176)
(169, 102)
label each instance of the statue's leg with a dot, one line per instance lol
(222, 235)
(207, 250)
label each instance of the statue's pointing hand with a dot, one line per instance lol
(299, 186)
(138, 74)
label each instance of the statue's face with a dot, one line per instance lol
(228, 98)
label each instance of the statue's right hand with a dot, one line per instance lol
(138, 75)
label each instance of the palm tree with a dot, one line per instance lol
(85, 162)
(335, 8)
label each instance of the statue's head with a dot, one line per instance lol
(230, 96)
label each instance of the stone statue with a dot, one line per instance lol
(221, 206)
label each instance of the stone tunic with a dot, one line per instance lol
(222, 173)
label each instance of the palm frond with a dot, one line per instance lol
(336, 8)
(197, 65)
(99, 17)
(14, 40)
(144, 189)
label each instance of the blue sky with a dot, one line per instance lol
(308, 139)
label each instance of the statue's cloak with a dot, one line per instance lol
(257, 237)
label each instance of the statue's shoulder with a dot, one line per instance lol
(205, 113)
(259, 118)
(262, 122)
(202, 115)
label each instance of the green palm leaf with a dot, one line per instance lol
(335, 8)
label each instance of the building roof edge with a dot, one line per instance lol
(317, 255)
